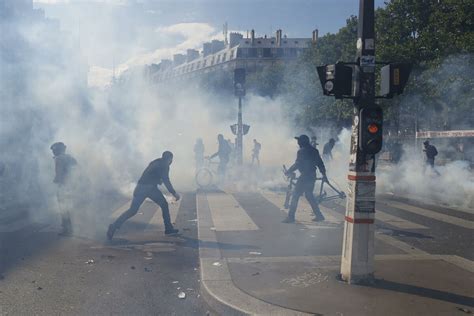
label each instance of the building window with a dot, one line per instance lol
(296, 42)
(204, 63)
(252, 52)
(212, 60)
(224, 57)
(218, 59)
(267, 52)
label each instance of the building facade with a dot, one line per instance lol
(250, 53)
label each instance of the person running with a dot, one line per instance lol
(156, 173)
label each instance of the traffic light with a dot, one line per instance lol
(336, 80)
(239, 81)
(393, 79)
(370, 129)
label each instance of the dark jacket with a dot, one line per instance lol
(156, 173)
(431, 152)
(307, 159)
(224, 151)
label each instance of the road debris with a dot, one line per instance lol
(256, 273)
(212, 228)
(193, 220)
(132, 267)
(39, 288)
(256, 253)
(465, 310)
(175, 282)
(147, 269)
(182, 295)
(217, 264)
(147, 258)
(90, 261)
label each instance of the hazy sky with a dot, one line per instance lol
(129, 32)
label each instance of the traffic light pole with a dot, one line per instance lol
(240, 134)
(357, 263)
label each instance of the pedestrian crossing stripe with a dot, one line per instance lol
(157, 219)
(432, 214)
(304, 212)
(227, 214)
(397, 221)
(120, 210)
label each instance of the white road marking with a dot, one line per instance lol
(157, 218)
(227, 214)
(120, 210)
(304, 214)
(432, 214)
(397, 221)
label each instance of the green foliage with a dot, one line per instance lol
(436, 36)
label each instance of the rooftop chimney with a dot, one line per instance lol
(315, 36)
(252, 35)
(278, 38)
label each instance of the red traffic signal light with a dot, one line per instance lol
(370, 129)
(373, 128)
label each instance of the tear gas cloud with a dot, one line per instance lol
(114, 133)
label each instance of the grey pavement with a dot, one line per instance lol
(141, 272)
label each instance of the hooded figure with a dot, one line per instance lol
(430, 152)
(307, 160)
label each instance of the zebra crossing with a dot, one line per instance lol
(228, 215)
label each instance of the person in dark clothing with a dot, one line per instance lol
(63, 165)
(430, 152)
(223, 153)
(256, 152)
(327, 149)
(156, 173)
(307, 159)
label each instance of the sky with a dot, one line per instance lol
(123, 33)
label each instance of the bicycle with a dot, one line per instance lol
(206, 175)
(323, 195)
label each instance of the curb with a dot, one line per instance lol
(217, 287)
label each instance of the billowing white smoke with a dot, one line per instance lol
(453, 186)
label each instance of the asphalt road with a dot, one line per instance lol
(141, 272)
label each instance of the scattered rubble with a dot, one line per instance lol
(182, 295)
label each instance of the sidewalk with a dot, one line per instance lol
(253, 264)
